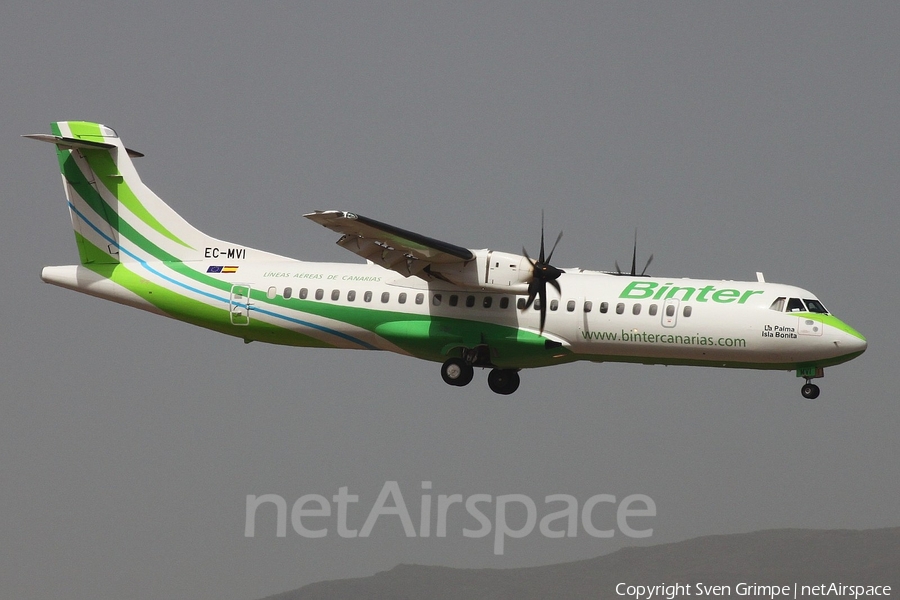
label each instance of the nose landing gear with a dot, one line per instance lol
(810, 391)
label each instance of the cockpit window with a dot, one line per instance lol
(814, 306)
(795, 305)
(778, 305)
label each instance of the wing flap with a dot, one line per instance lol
(406, 252)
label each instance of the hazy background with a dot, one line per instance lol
(736, 137)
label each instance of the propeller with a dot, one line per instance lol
(634, 262)
(542, 274)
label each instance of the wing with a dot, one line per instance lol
(393, 248)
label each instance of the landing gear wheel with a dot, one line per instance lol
(456, 372)
(810, 391)
(503, 381)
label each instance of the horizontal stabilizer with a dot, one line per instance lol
(70, 143)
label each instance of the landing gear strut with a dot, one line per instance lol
(456, 371)
(503, 381)
(810, 391)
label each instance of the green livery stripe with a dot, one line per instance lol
(406, 331)
(85, 129)
(195, 312)
(89, 253)
(102, 164)
(831, 321)
(728, 364)
(415, 334)
(92, 198)
(420, 335)
(425, 336)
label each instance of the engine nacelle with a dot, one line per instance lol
(489, 271)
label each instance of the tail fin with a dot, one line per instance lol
(116, 218)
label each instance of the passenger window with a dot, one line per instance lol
(520, 303)
(778, 305)
(486, 303)
(385, 296)
(620, 308)
(420, 298)
(588, 305)
(367, 296)
(351, 295)
(815, 306)
(653, 310)
(454, 300)
(436, 300)
(570, 305)
(687, 311)
(795, 305)
(335, 295)
(287, 293)
(604, 307)
(271, 293)
(402, 298)
(537, 304)
(670, 310)
(636, 309)
(554, 304)
(470, 301)
(303, 293)
(504, 302)
(320, 293)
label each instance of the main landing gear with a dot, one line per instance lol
(458, 372)
(503, 381)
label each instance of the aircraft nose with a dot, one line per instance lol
(852, 340)
(859, 344)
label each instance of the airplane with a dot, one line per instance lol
(420, 296)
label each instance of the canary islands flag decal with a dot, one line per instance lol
(221, 269)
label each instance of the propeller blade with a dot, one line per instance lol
(533, 288)
(634, 272)
(549, 256)
(649, 260)
(543, 294)
(541, 256)
(634, 256)
(555, 284)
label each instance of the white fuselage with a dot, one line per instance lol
(599, 316)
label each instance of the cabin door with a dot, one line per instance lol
(239, 304)
(670, 312)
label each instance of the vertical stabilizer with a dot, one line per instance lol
(116, 218)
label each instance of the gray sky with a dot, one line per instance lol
(736, 137)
